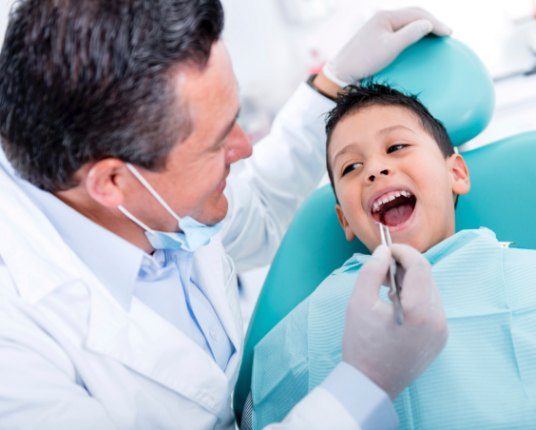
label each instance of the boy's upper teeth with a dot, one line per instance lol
(388, 197)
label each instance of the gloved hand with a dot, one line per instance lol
(392, 355)
(379, 42)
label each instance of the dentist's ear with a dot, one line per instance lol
(460, 180)
(105, 182)
(348, 233)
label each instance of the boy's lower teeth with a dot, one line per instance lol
(397, 215)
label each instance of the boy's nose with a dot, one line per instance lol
(384, 172)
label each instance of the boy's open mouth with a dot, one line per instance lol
(393, 208)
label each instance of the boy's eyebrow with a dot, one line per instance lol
(347, 148)
(391, 128)
(386, 130)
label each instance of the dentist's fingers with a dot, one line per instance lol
(371, 277)
(418, 287)
(401, 17)
(411, 33)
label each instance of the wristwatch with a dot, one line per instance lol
(318, 90)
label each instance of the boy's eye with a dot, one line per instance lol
(396, 147)
(350, 168)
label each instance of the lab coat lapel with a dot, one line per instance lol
(152, 347)
(146, 343)
(215, 274)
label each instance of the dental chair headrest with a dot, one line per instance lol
(450, 80)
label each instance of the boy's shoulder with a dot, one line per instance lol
(519, 253)
(352, 265)
(519, 260)
(335, 289)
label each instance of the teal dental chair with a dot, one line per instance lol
(455, 86)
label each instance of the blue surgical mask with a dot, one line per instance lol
(192, 236)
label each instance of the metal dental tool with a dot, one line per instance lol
(394, 289)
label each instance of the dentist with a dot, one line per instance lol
(121, 227)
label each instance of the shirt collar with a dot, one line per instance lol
(113, 260)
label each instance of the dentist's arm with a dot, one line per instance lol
(288, 164)
(380, 358)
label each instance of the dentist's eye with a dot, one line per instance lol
(396, 147)
(351, 168)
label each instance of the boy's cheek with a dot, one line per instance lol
(366, 234)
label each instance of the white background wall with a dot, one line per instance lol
(4, 11)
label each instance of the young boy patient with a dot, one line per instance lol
(390, 161)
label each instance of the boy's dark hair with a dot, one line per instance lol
(370, 93)
(83, 80)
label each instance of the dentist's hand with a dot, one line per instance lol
(390, 355)
(378, 43)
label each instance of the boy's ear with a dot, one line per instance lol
(348, 233)
(461, 182)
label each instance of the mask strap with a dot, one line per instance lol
(153, 192)
(134, 219)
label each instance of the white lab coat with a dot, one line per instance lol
(72, 358)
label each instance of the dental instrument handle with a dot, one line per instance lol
(385, 236)
(395, 295)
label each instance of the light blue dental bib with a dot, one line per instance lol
(484, 378)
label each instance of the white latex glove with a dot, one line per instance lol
(379, 42)
(390, 355)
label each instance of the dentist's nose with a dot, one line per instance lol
(239, 146)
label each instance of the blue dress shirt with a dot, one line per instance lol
(162, 281)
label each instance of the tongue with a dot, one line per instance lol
(397, 215)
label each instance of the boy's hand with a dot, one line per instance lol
(393, 356)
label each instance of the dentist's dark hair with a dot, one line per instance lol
(84, 80)
(370, 93)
